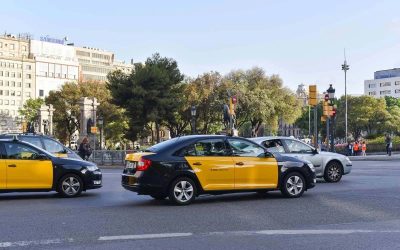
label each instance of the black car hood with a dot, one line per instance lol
(71, 161)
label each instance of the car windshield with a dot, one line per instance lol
(162, 145)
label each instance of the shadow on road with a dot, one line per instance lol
(37, 196)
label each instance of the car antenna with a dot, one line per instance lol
(15, 138)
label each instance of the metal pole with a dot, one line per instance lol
(345, 97)
(333, 134)
(309, 121)
(316, 127)
(327, 133)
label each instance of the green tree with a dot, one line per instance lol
(148, 94)
(30, 109)
(262, 99)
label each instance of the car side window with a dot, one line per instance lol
(209, 147)
(298, 147)
(20, 152)
(32, 140)
(53, 146)
(275, 146)
(245, 148)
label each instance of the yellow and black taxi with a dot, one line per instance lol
(27, 168)
(45, 142)
(185, 167)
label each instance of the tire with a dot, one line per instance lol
(293, 185)
(70, 185)
(159, 196)
(182, 191)
(333, 172)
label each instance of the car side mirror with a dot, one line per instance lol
(315, 151)
(268, 155)
(42, 157)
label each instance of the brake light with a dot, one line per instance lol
(143, 164)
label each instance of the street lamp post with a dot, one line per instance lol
(193, 114)
(100, 121)
(345, 67)
(331, 94)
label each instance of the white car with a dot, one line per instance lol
(330, 166)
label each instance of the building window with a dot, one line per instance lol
(28, 76)
(372, 93)
(1, 101)
(19, 75)
(28, 94)
(12, 84)
(7, 74)
(397, 91)
(1, 45)
(18, 93)
(386, 92)
(12, 102)
(7, 83)
(12, 92)
(1, 92)
(12, 46)
(397, 83)
(1, 73)
(385, 84)
(23, 48)
(41, 92)
(28, 67)
(19, 84)
(28, 85)
(6, 102)
(1, 82)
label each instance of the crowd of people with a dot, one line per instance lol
(357, 148)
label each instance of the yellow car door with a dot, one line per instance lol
(3, 174)
(253, 168)
(212, 164)
(24, 170)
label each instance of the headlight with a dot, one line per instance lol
(311, 166)
(92, 168)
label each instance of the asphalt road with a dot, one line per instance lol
(360, 212)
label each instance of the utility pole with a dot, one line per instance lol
(313, 101)
(345, 67)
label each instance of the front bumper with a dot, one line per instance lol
(93, 179)
(347, 168)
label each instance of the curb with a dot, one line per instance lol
(375, 158)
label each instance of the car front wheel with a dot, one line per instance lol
(293, 185)
(70, 186)
(333, 172)
(182, 191)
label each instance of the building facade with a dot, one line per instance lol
(17, 77)
(385, 83)
(56, 64)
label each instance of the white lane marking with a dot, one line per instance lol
(321, 231)
(33, 243)
(144, 236)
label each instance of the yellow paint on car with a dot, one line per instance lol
(61, 155)
(255, 172)
(214, 173)
(29, 174)
(136, 156)
(3, 174)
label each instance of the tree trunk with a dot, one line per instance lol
(158, 132)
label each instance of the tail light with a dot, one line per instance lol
(143, 164)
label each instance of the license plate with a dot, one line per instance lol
(131, 165)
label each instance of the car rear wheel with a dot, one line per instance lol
(293, 185)
(182, 191)
(333, 172)
(70, 185)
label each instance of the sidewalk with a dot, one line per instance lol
(382, 157)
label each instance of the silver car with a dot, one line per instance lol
(330, 166)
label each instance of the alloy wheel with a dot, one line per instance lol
(71, 186)
(183, 191)
(334, 172)
(294, 185)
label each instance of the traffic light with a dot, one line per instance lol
(312, 95)
(325, 108)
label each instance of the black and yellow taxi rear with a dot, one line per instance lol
(185, 167)
(27, 168)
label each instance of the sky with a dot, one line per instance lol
(301, 41)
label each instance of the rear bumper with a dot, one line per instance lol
(130, 182)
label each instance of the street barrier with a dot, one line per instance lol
(109, 157)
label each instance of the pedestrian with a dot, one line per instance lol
(84, 149)
(388, 141)
(390, 146)
(364, 148)
(349, 149)
(355, 148)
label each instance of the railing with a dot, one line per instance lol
(109, 157)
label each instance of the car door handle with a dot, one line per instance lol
(239, 163)
(197, 164)
(12, 166)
